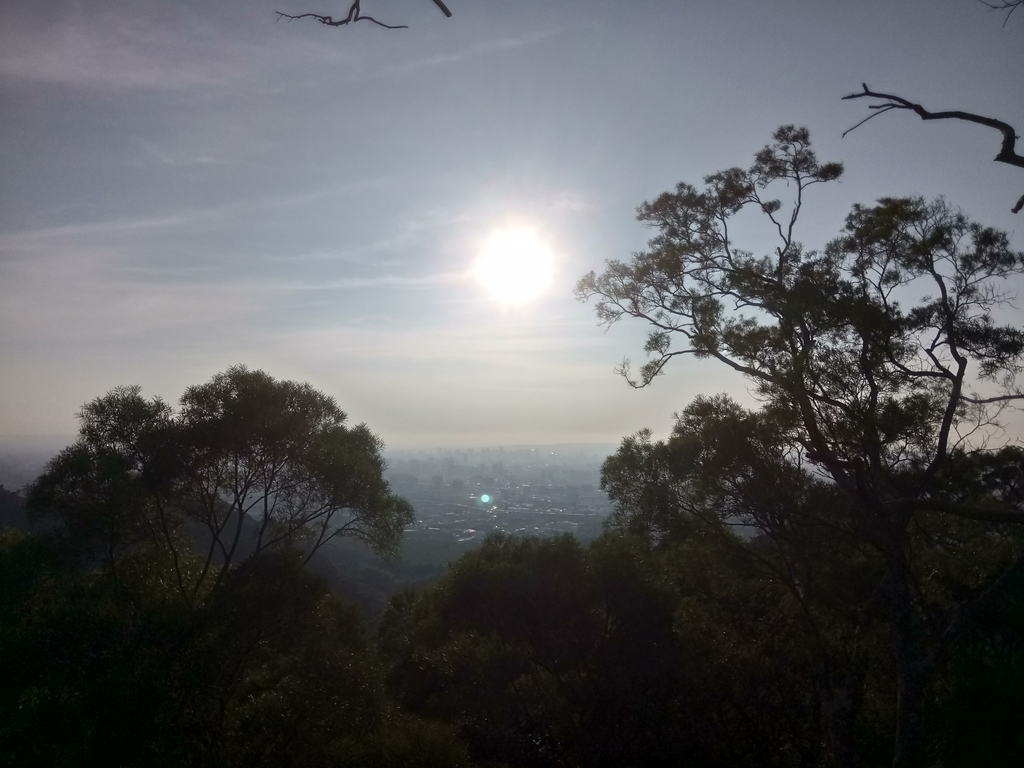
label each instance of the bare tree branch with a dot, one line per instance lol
(1007, 150)
(354, 14)
(331, 22)
(1004, 5)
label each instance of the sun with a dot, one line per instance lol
(515, 265)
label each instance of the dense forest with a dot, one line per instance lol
(833, 577)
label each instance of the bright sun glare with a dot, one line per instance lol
(515, 265)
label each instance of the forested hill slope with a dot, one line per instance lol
(12, 510)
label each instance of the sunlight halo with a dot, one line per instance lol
(515, 265)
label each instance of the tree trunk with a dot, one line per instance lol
(840, 711)
(913, 665)
(909, 746)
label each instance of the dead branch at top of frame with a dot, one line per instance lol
(888, 102)
(354, 14)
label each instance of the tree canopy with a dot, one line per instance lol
(547, 653)
(246, 464)
(882, 375)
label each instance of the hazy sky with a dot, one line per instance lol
(188, 185)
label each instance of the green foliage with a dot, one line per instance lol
(272, 670)
(165, 617)
(979, 717)
(77, 685)
(546, 653)
(402, 742)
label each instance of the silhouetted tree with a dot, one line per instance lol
(246, 465)
(862, 384)
(728, 478)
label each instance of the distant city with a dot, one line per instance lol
(465, 494)
(23, 458)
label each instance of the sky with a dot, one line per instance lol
(191, 185)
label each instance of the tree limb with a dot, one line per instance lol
(352, 17)
(1003, 5)
(354, 14)
(1007, 150)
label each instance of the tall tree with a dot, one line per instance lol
(884, 395)
(247, 464)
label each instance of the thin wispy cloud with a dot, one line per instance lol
(386, 281)
(481, 49)
(153, 45)
(149, 45)
(44, 237)
(184, 157)
(486, 340)
(572, 202)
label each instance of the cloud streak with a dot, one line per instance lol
(145, 45)
(481, 49)
(34, 239)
